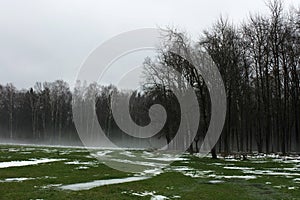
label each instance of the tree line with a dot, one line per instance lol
(43, 114)
(259, 63)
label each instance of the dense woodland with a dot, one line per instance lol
(259, 61)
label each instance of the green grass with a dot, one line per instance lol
(170, 183)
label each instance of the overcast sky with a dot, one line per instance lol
(46, 40)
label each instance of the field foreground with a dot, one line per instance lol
(32, 172)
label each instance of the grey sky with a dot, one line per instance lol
(45, 40)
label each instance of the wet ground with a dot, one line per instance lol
(36, 172)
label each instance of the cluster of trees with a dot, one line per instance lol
(43, 114)
(259, 61)
(107, 98)
(40, 114)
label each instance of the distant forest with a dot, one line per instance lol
(259, 61)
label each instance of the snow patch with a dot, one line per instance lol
(150, 164)
(199, 174)
(27, 162)
(296, 180)
(128, 154)
(168, 159)
(153, 195)
(50, 186)
(103, 153)
(180, 169)
(239, 168)
(158, 197)
(97, 183)
(76, 162)
(237, 177)
(152, 172)
(215, 181)
(82, 167)
(16, 179)
(270, 173)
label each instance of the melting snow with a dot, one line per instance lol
(153, 195)
(82, 167)
(152, 172)
(102, 153)
(183, 169)
(23, 179)
(13, 150)
(158, 197)
(238, 168)
(50, 186)
(176, 197)
(279, 186)
(215, 181)
(26, 163)
(269, 172)
(237, 177)
(259, 161)
(25, 152)
(220, 164)
(97, 183)
(16, 179)
(168, 159)
(148, 153)
(150, 164)
(76, 162)
(198, 174)
(128, 154)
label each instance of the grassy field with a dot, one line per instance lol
(46, 172)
